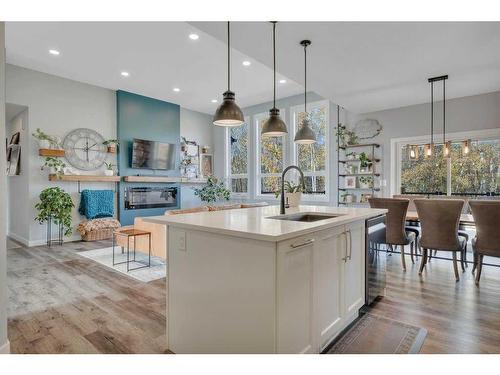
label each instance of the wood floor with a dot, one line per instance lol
(60, 302)
(459, 317)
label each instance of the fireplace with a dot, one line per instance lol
(150, 197)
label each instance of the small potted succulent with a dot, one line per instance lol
(366, 182)
(56, 166)
(45, 140)
(109, 171)
(112, 145)
(365, 164)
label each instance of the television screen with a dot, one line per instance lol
(153, 155)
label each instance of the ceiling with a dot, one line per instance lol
(365, 66)
(158, 55)
(369, 66)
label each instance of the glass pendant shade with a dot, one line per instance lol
(228, 113)
(274, 125)
(428, 148)
(447, 149)
(413, 152)
(305, 135)
(466, 147)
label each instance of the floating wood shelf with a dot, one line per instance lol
(357, 160)
(164, 179)
(376, 145)
(51, 152)
(361, 189)
(84, 178)
(360, 175)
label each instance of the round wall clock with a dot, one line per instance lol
(84, 149)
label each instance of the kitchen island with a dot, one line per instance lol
(253, 281)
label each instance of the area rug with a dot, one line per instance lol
(158, 269)
(373, 334)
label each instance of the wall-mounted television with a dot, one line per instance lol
(153, 155)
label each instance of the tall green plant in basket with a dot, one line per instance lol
(55, 204)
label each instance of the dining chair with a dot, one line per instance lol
(396, 234)
(440, 220)
(486, 215)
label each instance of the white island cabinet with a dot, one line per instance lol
(240, 281)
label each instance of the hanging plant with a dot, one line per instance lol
(56, 166)
(55, 204)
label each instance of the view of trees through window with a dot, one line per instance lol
(238, 158)
(477, 172)
(271, 161)
(312, 158)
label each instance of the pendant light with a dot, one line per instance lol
(305, 135)
(228, 114)
(413, 154)
(274, 125)
(446, 145)
(466, 146)
(429, 148)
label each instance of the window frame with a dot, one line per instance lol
(294, 111)
(258, 175)
(398, 143)
(228, 176)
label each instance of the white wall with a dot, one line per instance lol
(4, 342)
(286, 104)
(18, 186)
(58, 105)
(477, 112)
(195, 126)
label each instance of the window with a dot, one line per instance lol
(313, 159)
(474, 173)
(237, 168)
(270, 158)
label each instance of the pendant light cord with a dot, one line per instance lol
(432, 114)
(228, 57)
(444, 113)
(305, 80)
(274, 64)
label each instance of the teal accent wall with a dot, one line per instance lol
(144, 118)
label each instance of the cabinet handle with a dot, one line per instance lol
(345, 242)
(350, 244)
(305, 243)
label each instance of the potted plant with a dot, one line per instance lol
(109, 169)
(55, 204)
(213, 191)
(56, 166)
(365, 165)
(346, 137)
(45, 140)
(112, 145)
(351, 155)
(365, 182)
(293, 193)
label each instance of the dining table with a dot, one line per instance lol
(465, 219)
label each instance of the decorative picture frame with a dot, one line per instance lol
(350, 182)
(364, 197)
(206, 165)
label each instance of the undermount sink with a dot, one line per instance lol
(307, 217)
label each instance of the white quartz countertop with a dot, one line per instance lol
(255, 223)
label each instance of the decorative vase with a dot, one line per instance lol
(108, 172)
(348, 198)
(111, 149)
(365, 185)
(293, 199)
(43, 143)
(205, 149)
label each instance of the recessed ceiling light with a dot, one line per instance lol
(214, 100)
(125, 74)
(54, 52)
(176, 89)
(194, 36)
(246, 63)
(282, 80)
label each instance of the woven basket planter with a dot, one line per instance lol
(98, 234)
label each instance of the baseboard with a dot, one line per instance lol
(18, 238)
(5, 348)
(73, 238)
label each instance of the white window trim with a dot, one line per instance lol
(227, 170)
(293, 147)
(258, 175)
(398, 143)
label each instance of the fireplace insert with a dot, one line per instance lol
(150, 197)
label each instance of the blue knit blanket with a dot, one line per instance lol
(96, 203)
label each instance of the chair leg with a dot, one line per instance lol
(455, 266)
(465, 256)
(412, 249)
(423, 261)
(474, 256)
(479, 268)
(462, 264)
(403, 257)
